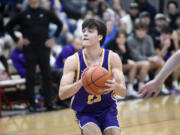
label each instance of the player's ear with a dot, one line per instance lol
(100, 37)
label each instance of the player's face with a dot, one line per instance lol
(90, 37)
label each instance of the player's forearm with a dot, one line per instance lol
(169, 67)
(121, 90)
(69, 90)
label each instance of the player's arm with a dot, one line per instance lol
(118, 82)
(67, 87)
(169, 67)
(156, 84)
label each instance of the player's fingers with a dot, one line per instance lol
(108, 84)
(156, 93)
(148, 94)
(85, 71)
(110, 81)
(141, 90)
(144, 91)
(106, 91)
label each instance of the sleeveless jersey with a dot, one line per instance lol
(84, 102)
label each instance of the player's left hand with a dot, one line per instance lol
(112, 84)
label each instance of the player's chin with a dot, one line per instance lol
(86, 45)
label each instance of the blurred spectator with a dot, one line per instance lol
(34, 26)
(108, 14)
(172, 7)
(111, 32)
(176, 33)
(18, 60)
(142, 51)
(3, 74)
(119, 46)
(145, 18)
(11, 7)
(2, 29)
(2, 33)
(98, 7)
(127, 22)
(160, 21)
(74, 8)
(165, 46)
(55, 5)
(3, 43)
(87, 15)
(65, 37)
(67, 51)
(116, 6)
(69, 25)
(144, 5)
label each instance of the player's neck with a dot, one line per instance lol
(93, 53)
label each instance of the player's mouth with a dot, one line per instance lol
(85, 39)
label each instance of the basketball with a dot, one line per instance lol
(94, 79)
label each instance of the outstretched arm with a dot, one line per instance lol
(156, 83)
(67, 87)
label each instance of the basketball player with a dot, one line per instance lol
(155, 85)
(97, 115)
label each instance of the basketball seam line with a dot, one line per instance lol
(87, 81)
(96, 79)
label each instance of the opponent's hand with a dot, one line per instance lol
(149, 88)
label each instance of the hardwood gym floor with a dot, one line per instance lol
(154, 116)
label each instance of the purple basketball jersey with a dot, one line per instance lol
(84, 102)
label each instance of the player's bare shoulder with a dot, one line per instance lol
(115, 57)
(71, 63)
(115, 60)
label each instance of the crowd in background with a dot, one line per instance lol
(143, 37)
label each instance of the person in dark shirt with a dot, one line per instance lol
(34, 26)
(160, 21)
(165, 46)
(145, 5)
(172, 9)
(119, 46)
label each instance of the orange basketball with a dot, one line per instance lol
(94, 79)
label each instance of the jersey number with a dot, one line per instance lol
(93, 99)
